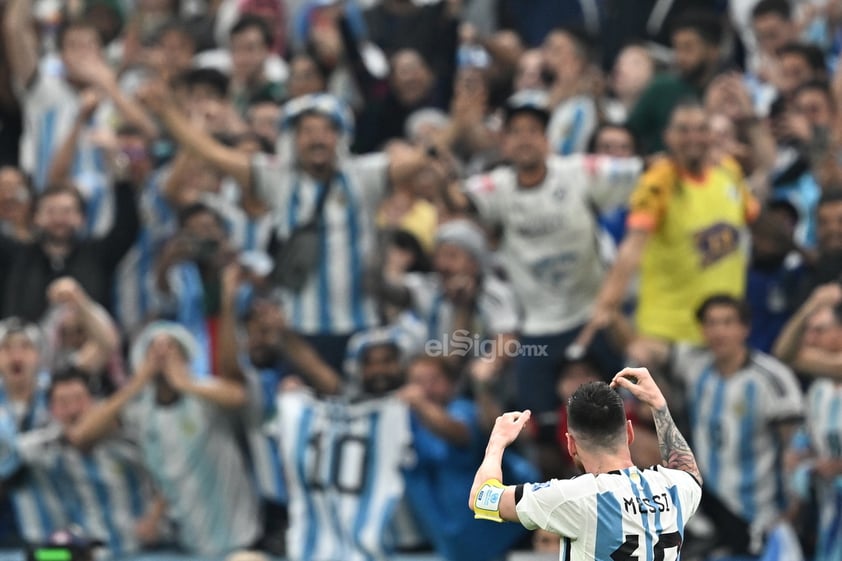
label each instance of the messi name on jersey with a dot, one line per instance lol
(647, 505)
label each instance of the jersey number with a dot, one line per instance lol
(346, 457)
(670, 540)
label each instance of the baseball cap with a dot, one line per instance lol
(321, 104)
(535, 102)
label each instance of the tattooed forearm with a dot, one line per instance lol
(675, 452)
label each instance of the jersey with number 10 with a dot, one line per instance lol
(623, 515)
(344, 465)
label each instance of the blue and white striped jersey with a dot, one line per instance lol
(621, 515)
(104, 491)
(34, 490)
(344, 470)
(334, 300)
(571, 125)
(135, 294)
(190, 449)
(824, 430)
(733, 421)
(50, 107)
(245, 233)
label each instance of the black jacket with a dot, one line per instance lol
(26, 271)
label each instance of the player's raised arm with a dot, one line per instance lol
(490, 499)
(675, 452)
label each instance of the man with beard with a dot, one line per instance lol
(53, 105)
(104, 487)
(695, 39)
(687, 233)
(314, 185)
(27, 269)
(546, 209)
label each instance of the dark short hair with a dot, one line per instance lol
(194, 209)
(820, 86)
(75, 25)
(831, 195)
(596, 414)
(810, 53)
(209, 77)
(725, 300)
(585, 43)
(705, 24)
(66, 376)
(251, 21)
(684, 104)
(772, 7)
(58, 189)
(174, 26)
(617, 126)
(365, 352)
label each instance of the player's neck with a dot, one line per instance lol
(731, 364)
(605, 463)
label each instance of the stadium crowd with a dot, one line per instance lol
(271, 269)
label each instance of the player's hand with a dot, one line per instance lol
(507, 427)
(639, 382)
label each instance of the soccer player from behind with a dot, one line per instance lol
(616, 510)
(743, 407)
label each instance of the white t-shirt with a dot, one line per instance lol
(550, 233)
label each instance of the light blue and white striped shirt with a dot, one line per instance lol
(50, 108)
(624, 514)
(104, 491)
(34, 490)
(824, 430)
(733, 421)
(571, 125)
(344, 469)
(333, 300)
(190, 449)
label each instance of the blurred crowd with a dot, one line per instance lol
(270, 269)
